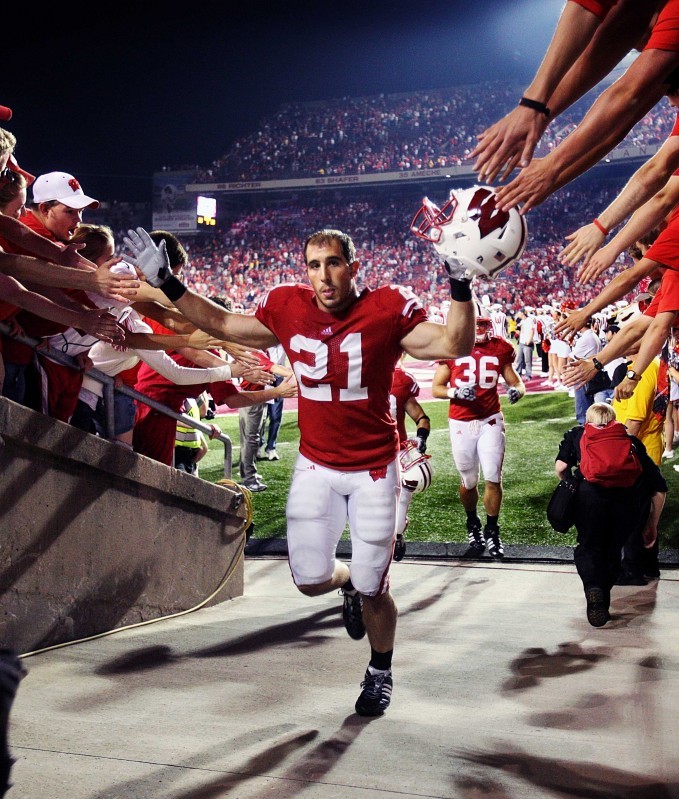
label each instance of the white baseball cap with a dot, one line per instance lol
(63, 188)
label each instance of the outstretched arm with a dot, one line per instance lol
(650, 193)
(650, 347)
(606, 123)
(621, 284)
(577, 373)
(429, 340)
(100, 280)
(583, 50)
(97, 322)
(153, 262)
(512, 140)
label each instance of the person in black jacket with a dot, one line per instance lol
(11, 673)
(605, 517)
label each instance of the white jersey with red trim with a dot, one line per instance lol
(482, 369)
(498, 320)
(344, 365)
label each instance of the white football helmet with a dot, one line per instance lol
(471, 232)
(484, 326)
(628, 314)
(416, 469)
(484, 329)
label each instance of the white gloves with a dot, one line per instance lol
(456, 269)
(514, 395)
(151, 260)
(466, 393)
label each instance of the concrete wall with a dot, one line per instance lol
(95, 537)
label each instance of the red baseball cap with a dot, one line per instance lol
(12, 164)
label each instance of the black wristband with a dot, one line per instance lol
(460, 290)
(424, 416)
(422, 433)
(535, 105)
(597, 364)
(173, 288)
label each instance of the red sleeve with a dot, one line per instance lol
(665, 249)
(598, 7)
(266, 364)
(221, 390)
(665, 33)
(157, 328)
(675, 129)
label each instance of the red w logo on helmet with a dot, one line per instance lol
(482, 209)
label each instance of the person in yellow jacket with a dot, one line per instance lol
(190, 444)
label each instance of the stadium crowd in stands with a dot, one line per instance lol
(394, 133)
(261, 249)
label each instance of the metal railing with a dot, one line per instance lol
(109, 388)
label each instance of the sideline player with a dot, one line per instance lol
(403, 400)
(477, 427)
(343, 345)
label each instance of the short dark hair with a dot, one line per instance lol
(634, 252)
(178, 256)
(327, 235)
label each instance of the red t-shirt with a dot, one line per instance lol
(598, 7)
(33, 325)
(344, 366)
(667, 296)
(665, 249)
(665, 33)
(482, 369)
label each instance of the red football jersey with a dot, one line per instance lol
(344, 366)
(482, 369)
(403, 387)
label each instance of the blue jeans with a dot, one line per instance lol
(274, 413)
(582, 402)
(524, 359)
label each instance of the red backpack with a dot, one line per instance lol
(608, 457)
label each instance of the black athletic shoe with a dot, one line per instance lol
(495, 547)
(400, 547)
(376, 694)
(597, 608)
(352, 614)
(476, 540)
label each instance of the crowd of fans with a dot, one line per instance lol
(437, 128)
(263, 248)
(394, 133)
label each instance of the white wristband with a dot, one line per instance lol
(451, 393)
(218, 373)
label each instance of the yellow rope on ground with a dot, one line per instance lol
(247, 496)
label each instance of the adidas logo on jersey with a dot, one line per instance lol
(327, 331)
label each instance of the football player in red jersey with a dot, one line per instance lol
(403, 400)
(343, 344)
(477, 427)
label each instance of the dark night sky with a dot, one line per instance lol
(113, 92)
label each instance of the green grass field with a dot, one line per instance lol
(535, 427)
